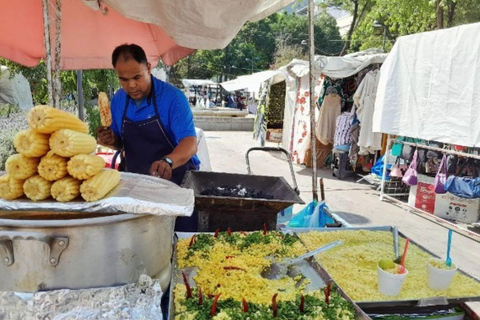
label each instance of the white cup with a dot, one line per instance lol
(390, 284)
(439, 279)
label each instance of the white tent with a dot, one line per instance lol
(197, 24)
(15, 90)
(197, 82)
(429, 87)
(252, 82)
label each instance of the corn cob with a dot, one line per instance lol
(52, 167)
(84, 166)
(104, 108)
(68, 143)
(10, 188)
(31, 143)
(46, 119)
(99, 185)
(66, 189)
(36, 188)
(20, 167)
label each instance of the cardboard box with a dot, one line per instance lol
(446, 206)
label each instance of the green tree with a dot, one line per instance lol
(403, 17)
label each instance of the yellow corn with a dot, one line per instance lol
(104, 108)
(84, 166)
(20, 167)
(46, 119)
(99, 185)
(66, 189)
(52, 167)
(68, 143)
(31, 143)
(10, 188)
(36, 188)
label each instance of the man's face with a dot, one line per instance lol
(134, 77)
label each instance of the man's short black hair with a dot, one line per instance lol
(129, 51)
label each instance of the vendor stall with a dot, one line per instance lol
(429, 95)
(336, 91)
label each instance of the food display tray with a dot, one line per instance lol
(310, 269)
(427, 302)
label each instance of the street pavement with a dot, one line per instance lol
(356, 203)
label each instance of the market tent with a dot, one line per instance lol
(429, 87)
(15, 90)
(197, 82)
(296, 139)
(252, 82)
(89, 36)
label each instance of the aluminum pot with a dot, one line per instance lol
(46, 251)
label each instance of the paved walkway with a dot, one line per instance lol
(357, 203)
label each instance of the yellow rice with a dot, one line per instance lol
(353, 266)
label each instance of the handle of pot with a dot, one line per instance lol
(274, 149)
(56, 245)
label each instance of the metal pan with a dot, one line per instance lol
(436, 301)
(310, 268)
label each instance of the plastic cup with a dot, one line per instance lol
(439, 279)
(390, 284)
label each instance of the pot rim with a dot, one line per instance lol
(24, 223)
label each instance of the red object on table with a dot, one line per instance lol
(108, 157)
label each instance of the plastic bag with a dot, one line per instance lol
(312, 216)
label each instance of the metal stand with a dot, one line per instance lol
(311, 56)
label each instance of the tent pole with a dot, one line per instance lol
(313, 139)
(48, 50)
(57, 84)
(81, 114)
(385, 163)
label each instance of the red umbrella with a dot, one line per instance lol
(88, 36)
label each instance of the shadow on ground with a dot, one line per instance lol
(353, 219)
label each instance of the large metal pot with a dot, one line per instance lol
(44, 251)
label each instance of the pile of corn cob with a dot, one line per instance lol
(54, 160)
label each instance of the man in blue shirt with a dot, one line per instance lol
(151, 120)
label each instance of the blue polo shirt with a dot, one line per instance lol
(173, 109)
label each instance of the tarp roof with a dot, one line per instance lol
(335, 67)
(251, 82)
(197, 82)
(197, 24)
(338, 67)
(429, 87)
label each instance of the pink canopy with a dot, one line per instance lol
(88, 36)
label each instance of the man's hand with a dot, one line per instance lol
(161, 169)
(106, 137)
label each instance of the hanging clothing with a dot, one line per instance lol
(329, 112)
(343, 128)
(261, 119)
(364, 99)
(300, 134)
(330, 86)
(354, 149)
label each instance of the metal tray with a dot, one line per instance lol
(310, 268)
(427, 302)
